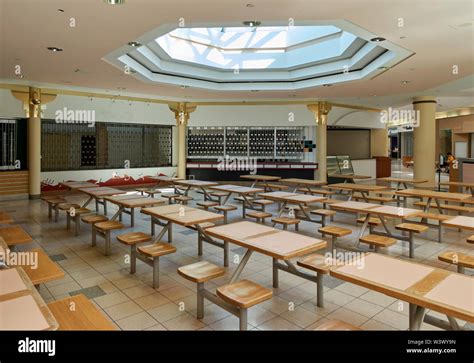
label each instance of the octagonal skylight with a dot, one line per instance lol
(266, 57)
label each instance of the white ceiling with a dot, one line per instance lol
(440, 33)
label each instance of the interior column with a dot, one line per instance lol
(424, 140)
(182, 111)
(321, 111)
(34, 143)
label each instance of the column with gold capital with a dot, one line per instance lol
(321, 111)
(182, 111)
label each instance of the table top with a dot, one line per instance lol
(276, 243)
(391, 211)
(458, 184)
(353, 206)
(440, 290)
(84, 317)
(78, 184)
(5, 218)
(349, 176)
(21, 306)
(238, 189)
(433, 194)
(261, 177)
(292, 197)
(403, 180)
(196, 183)
(46, 270)
(183, 215)
(297, 181)
(463, 222)
(15, 235)
(165, 178)
(101, 191)
(135, 202)
(363, 187)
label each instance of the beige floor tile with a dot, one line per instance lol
(156, 327)
(347, 316)
(138, 291)
(301, 317)
(338, 297)
(351, 289)
(230, 322)
(111, 299)
(364, 307)
(64, 288)
(176, 293)
(165, 312)
(278, 323)
(376, 325)
(392, 318)
(183, 322)
(140, 321)
(378, 298)
(123, 310)
(126, 283)
(151, 301)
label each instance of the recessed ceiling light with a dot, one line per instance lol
(254, 90)
(55, 49)
(383, 68)
(61, 10)
(252, 23)
(402, 37)
(134, 44)
(114, 2)
(405, 82)
(377, 39)
(183, 86)
(250, 5)
(327, 85)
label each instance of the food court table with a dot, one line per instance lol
(241, 191)
(301, 200)
(164, 180)
(422, 286)
(74, 185)
(464, 185)
(263, 179)
(433, 196)
(21, 306)
(304, 184)
(463, 222)
(14, 235)
(98, 194)
(349, 177)
(402, 183)
(278, 244)
(128, 205)
(197, 184)
(363, 189)
(188, 217)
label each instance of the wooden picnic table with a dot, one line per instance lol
(128, 205)
(5, 218)
(188, 217)
(264, 179)
(464, 185)
(278, 244)
(301, 200)
(305, 184)
(363, 189)
(463, 222)
(164, 180)
(196, 184)
(46, 271)
(21, 306)
(422, 286)
(402, 182)
(85, 316)
(348, 177)
(244, 192)
(14, 235)
(98, 194)
(74, 185)
(433, 196)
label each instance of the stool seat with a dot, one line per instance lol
(133, 238)
(258, 215)
(335, 231)
(219, 194)
(202, 271)
(286, 220)
(373, 221)
(79, 211)
(207, 204)
(457, 258)
(434, 216)
(108, 225)
(336, 325)
(262, 202)
(244, 293)
(316, 262)
(67, 206)
(411, 227)
(183, 198)
(226, 208)
(157, 249)
(378, 241)
(323, 212)
(470, 239)
(94, 218)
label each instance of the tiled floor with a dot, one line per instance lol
(131, 303)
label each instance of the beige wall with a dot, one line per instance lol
(460, 126)
(378, 142)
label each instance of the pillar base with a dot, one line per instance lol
(35, 196)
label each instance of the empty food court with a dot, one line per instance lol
(252, 165)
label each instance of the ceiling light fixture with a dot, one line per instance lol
(377, 39)
(252, 23)
(383, 68)
(250, 5)
(61, 10)
(55, 49)
(114, 2)
(134, 44)
(405, 82)
(183, 86)
(327, 85)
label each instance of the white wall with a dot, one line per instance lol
(9, 105)
(365, 167)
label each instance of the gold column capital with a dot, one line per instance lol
(32, 100)
(182, 111)
(320, 110)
